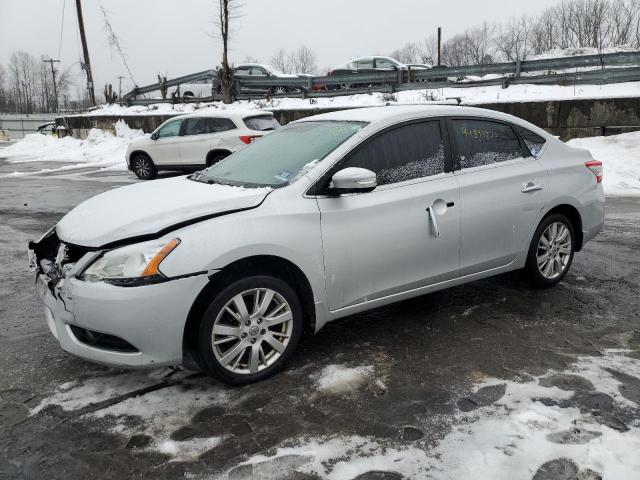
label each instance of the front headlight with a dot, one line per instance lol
(131, 265)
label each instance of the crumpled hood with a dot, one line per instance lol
(150, 207)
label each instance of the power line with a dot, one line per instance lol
(114, 41)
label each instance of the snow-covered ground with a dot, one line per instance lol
(103, 151)
(100, 150)
(526, 425)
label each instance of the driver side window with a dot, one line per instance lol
(404, 153)
(171, 129)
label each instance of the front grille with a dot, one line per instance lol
(55, 258)
(102, 341)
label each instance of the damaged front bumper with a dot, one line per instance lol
(121, 326)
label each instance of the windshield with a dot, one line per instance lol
(281, 157)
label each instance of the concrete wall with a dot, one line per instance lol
(565, 118)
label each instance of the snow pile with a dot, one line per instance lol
(338, 379)
(576, 52)
(100, 149)
(532, 424)
(620, 155)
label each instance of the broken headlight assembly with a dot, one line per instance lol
(131, 266)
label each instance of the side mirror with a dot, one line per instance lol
(154, 136)
(353, 180)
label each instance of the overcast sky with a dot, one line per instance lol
(172, 36)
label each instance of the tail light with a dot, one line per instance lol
(249, 138)
(596, 168)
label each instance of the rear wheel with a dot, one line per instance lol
(551, 251)
(250, 330)
(279, 90)
(143, 167)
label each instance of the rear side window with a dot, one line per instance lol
(482, 142)
(533, 141)
(404, 153)
(195, 126)
(217, 125)
(262, 123)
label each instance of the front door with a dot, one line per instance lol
(502, 192)
(166, 147)
(405, 233)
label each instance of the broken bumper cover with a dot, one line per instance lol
(150, 319)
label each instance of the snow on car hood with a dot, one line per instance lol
(149, 207)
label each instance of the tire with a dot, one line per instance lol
(543, 273)
(143, 167)
(214, 158)
(247, 348)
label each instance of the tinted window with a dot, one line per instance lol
(382, 63)
(242, 71)
(171, 129)
(483, 142)
(262, 124)
(258, 72)
(281, 157)
(364, 64)
(216, 125)
(533, 141)
(404, 153)
(195, 126)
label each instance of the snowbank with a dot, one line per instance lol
(100, 149)
(620, 155)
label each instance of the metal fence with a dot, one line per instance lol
(18, 125)
(586, 69)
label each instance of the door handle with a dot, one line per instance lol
(434, 221)
(531, 187)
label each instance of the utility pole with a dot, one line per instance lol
(53, 76)
(120, 88)
(85, 51)
(439, 45)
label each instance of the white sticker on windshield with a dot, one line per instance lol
(284, 175)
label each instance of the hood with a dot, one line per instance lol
(149, 208)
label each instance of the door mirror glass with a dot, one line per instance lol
(154, 136)
(353, 180)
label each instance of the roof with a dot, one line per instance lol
(393, 113)
(226, 113)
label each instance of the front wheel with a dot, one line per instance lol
(143, 167)
(279, 90)
(250, 330)
(551, 251)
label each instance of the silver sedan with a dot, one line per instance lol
(329, 216)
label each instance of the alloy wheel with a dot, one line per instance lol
(279, 90)
(554, 250)
(252, 331)
(142, 167)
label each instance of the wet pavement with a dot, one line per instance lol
(425, 361)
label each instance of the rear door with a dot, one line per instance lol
(502, 192)
(166, 148)
(384, 242)
(194, 142)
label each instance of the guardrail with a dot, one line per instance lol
(587, 69)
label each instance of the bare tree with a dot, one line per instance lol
(514, 40)
(304, 60)
(4, 107)
(227, 11)
(281, 60)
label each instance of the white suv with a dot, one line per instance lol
(191, 142)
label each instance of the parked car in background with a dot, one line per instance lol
(364, 65)
(196, 89)
(194, 141)
(417, 67)
(259, 70)
(324, 218)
